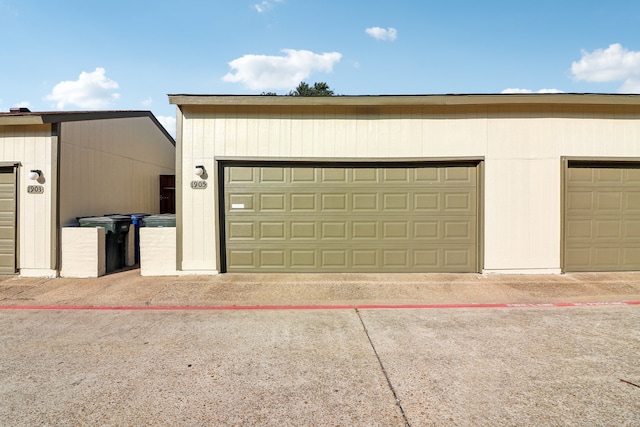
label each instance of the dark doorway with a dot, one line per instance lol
(167, 194)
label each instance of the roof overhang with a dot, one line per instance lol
(41, 118)
(405, 100)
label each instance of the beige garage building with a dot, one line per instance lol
(57, 166)
(540, 183)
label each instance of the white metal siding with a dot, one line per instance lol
(522, 152)
(32, 147)
(112, 166)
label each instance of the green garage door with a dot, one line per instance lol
(602, 217)
(350, 219)
(7, 220)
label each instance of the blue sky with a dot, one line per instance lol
(129, 54)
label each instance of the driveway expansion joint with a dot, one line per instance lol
(384, 371)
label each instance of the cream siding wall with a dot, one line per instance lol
(112, 166)
(34, 148)
(522, 148)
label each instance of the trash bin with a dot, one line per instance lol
(162, 220)
(136, 221)
(116, 230)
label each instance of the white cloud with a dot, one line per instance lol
(260, 72)
(518, 90)
(389, 34)
(265, 5)
(615, 63)
(147, 102)
(23, 104)
(92, 90)
(630, 86)
(169, 124)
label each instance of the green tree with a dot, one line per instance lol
(318, 89)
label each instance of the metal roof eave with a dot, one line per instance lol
(405, 100)
(39, 118)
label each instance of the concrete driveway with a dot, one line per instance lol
(228, 351)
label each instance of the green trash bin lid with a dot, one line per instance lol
(162, 220)
(112, 224)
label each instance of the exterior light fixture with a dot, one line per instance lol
(35, 174)
(199, 170)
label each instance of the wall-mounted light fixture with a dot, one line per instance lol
(35, 174)
(199, 170)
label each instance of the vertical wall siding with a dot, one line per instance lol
(112, 166)
(31, 147)
(522, 150)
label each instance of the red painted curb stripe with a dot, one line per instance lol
(313, 307)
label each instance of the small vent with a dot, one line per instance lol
(19, 110)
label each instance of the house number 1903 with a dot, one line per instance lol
(199, 185)
(35, 189)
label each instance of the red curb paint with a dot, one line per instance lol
(313, 307)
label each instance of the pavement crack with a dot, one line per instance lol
(384, 371)
(150, 299)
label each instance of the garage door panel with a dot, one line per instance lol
(364, 202)
(365, 230)
(241, 231)
(428, 230)
(602, 218)
(393, 230)
(396, 175)
(579, 202)
(365, 258)
(303, 175)
(334, 175)
(608, 229)
(241, 201)
(458, 230)
(365, 176)
(632, 229)
(272, 175)
(632, 176)
(272, 259)
(333, 258)
(608, 176)
(272, 202)
(303, 258)
(333, 202)
(395, 258)
(272, 230)
(333, 231)
(579, 229)
(459, 174)
(305, 202)
(304, 230)
(395, 202)
(351, 218)
(241, 175)
(606, 257)
(459, 202)
(630, 256)
(7, 220)
(7, 205)
(580, 176)
(632, 201)
(608, 201)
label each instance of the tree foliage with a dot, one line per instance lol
(318, 89)
(304, 89)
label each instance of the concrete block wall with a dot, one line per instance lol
(83, 252)
(158, 251)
